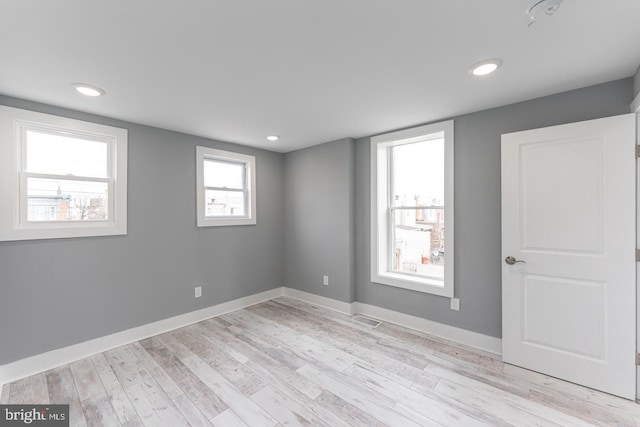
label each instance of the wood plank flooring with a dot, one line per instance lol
(288, 363)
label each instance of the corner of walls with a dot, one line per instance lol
(636, 82)
(318, 212)
(635, 105)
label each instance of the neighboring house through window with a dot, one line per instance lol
(60, 177)
(412, 209)
(226, 193)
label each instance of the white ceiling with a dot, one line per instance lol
(309, 71)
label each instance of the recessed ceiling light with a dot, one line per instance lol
(483, 68)
(88, 90)
(273, 137)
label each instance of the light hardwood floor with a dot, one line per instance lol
(285, 362)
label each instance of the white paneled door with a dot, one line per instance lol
(568, 252)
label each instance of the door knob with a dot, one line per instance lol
(511, 260)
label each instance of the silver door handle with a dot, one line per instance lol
(511, 260)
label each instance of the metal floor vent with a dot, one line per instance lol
(367, 321)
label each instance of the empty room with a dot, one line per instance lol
(322, 213)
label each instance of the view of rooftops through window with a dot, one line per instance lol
(66, 178)
(417, 208)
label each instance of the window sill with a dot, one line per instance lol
(211, 222)
(419, 284)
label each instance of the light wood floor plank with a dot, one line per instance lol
(273, 371)
(120, 402)
(99, 412)
(6, 390)
(359, 398)
(349, 414)
(286, 362)
(228, 419)
(148, 398)
(390, 363)
(30, 390)
(157, 373)
(198, 392)
(87, 380)
(237, 374)
(244, 407)
(62, 390)
(285, 410)
(190, 411)
(428, 407)
(582, 410)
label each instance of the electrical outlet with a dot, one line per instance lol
(325, 280)
(455, 304)
(198, 291)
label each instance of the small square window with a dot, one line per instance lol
(226, 188)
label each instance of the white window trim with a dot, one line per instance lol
(380, 182)
(203, 153)
(13, 226)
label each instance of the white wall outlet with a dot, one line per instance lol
(455, 304)
(325, 280)
(198, 291)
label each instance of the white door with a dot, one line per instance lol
(568, 213)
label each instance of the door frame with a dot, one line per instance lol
(635, 108)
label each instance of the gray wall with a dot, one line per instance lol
(477, 204)
(318, 213)
(59, 292)
(55, 293)
(636, 83)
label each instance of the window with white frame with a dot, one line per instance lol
(412, 209)
(226, 188)
(60, 177)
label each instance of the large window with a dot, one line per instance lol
(60, 177)
(226, 188)
(412, 209)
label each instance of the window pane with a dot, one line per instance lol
(418, 173)
(66, 200)
(61, 155)
(223, 174)
(418, 242)
(224, 203)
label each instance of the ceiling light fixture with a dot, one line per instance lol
(88, 90)
(486, 67)
(273, 137)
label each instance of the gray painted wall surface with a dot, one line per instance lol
(636, 83)
(477, 204)
(54, 293)
(318, 213)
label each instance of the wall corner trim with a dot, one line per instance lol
(52, 359)
(330, 303)
(635, 105)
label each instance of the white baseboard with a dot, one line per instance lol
(451, 333)
(330, 303)
(462, 336)
(52, 359)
